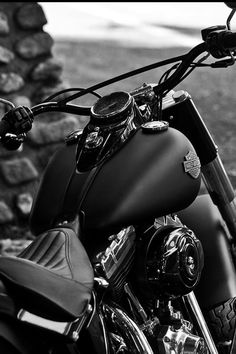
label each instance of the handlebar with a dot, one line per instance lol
(219, 43)
(19, 120)
(174, 79)
(57, 107)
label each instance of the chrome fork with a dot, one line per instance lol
(221, 191)
(195, 308)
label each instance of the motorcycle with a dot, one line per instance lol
(130, 218)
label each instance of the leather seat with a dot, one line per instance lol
(52, 277)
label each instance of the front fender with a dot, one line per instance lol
(218, 280)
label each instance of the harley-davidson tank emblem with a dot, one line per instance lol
(192, 164)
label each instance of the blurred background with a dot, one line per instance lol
(98, 40)
(142, 24)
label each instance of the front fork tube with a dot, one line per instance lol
(192, 304)
(182, 114)
(221, 191)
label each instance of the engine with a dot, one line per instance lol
(180, 340)
(150, 270)
(169, 260)
(115, 262)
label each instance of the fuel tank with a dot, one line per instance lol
(151, 175)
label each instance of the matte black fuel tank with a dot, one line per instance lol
(150, 176)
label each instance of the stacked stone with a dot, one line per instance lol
(28, 74)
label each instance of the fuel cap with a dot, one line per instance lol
(155, 126)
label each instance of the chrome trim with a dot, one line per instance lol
(144, 93)
(93, 311)
(101, 282)
(155, 126)
(116, 252)
(136, 302)
(180, 96)
(221, 190)
(73, 136)
(169, 100)
(121, 320)
(93, 140)
(130, 101)
(192, 302)
(68, 329)
(120, 342)
(218, 181)
(192, 164)
(104, 330)
(178, 340)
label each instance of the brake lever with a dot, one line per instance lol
(224, 63)
(12, 142)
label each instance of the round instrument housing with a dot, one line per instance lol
(112, 109)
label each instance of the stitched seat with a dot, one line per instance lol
(52, 277)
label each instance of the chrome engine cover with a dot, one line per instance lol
(174, 262)
(180, 340)
(169, 260)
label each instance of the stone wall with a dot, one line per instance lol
(28, 73)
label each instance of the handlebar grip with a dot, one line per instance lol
(228, 40)
(17, 120)
(221, 42)
(4, 127)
